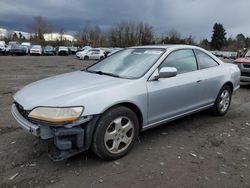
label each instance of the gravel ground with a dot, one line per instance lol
(196, 151)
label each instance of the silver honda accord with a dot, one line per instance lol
(105, 106)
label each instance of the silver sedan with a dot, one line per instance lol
(108, 104)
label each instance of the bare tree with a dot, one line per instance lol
(128, 33)
(61, 33)
(39, 27)
(174, 37)
(91, 35)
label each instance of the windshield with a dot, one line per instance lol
(36, 46)
(129, 63)
(248, 53)
(17, 46)
(48, 47)
(85, 51)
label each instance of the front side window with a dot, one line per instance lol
(205, 61)
(129, 63)
(183, 60)
(96, 52)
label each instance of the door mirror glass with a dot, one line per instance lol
(167, 72)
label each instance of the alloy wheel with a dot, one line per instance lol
(119, 135)
(224, 101)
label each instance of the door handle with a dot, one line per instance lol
(198, 81)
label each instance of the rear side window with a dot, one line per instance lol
(205, 61)
(183, 60)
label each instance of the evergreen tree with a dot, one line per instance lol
(14, 37)
(218, 37)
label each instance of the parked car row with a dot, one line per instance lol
(25, 48)
(225, 54)
(84, 53)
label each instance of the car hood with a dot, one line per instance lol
(243, 60)
(60, 90)
(35, 48)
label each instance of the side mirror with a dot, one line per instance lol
(167, 72)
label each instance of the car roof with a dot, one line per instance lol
(166, 46)
(177, 47)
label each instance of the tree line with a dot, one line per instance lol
(130, 33)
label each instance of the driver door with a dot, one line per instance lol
(170, 97)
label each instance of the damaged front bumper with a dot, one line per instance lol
(68, 140)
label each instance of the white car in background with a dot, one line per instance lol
(93, 54)
(2, 47)
(82, 51)
(27, 46)
(8, 47)
(63, 50)
(36, 50)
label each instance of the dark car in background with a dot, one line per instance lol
(11, 43)
(18, 50)
(49, 50)
(73, 50)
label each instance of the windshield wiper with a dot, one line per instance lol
(104, 73)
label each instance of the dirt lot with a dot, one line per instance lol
(195, 151)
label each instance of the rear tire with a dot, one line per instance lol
(115, 134)
(223, 101)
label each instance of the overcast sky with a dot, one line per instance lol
(188, 17)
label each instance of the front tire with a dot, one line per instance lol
(116, 133)
(223, 101)
(86, 58)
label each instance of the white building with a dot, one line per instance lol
(47, 36)
(57, 36)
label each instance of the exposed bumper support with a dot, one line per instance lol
(68, 140)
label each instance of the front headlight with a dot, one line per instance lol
(51, 114)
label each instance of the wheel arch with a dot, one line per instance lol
(230, 84)
(132, 107)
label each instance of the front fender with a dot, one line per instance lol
(97, 102)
